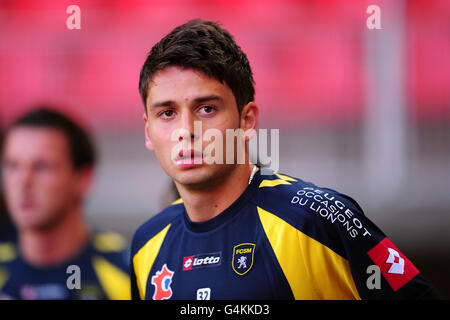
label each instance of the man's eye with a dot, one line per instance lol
(9, 165)
(207, 109)
(166, 114)
(42, 167)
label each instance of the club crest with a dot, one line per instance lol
(243, 255)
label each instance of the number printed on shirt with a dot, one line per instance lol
(204, 294)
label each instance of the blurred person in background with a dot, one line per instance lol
(238, 233)
(47, 168)
(7, 229)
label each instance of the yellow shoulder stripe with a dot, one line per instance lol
(109, 242)
(4, 276)
(144, 258)
(272, 183)
(177, 201)
(8, 251)
(312, 270)
(287, 178)
(114, 281)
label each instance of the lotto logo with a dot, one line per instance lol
(202, 260)
(395, 267)
(397, 262)
(187, 263)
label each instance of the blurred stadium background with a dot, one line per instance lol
(366, 112)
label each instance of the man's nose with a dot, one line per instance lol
(25, 177)
(187, 127)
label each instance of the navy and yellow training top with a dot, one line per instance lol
(103, 270)
(283, 238)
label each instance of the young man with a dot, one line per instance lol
(47, 168)
(236, 233)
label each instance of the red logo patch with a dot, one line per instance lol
(162, 280)
(397, 269)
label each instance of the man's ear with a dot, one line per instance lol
(148, 140)
(249, 119)
(83, 182)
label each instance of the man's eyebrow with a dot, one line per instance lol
(201, 99)
(210, 97)
(162, 104)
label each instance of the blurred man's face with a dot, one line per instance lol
(177, 98)
(40, 182)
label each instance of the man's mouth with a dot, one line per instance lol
(27, 204)
(189, 158)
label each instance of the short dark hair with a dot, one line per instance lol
(204, 46)
(80, 143)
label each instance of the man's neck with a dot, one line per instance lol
(202, 205)
(55, 244)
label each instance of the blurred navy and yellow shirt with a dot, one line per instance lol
(103, 270)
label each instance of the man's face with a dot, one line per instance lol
(177, 98)
(40, 182)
